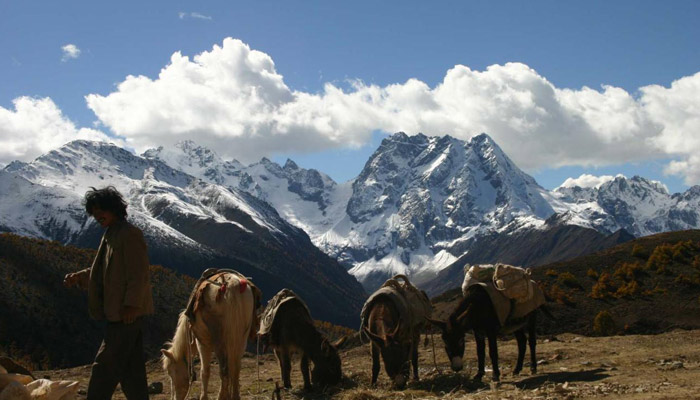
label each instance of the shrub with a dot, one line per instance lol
(639, 252)
(560, 296)
(688, 280)
(593, 274)
(551, 272)
(628, 271)
(657, 290)
(568, 279)
(660, 258)
(627, 289)
(681, 251)
(604, 287)
(604, 324)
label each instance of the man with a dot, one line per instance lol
(119, 291)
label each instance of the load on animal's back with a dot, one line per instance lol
(513, 293)
(497, 299)
(392, 318)
(220, 316)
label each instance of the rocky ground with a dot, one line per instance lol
(664, 366)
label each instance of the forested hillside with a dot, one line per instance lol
(45, 325)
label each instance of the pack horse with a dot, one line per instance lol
(287, 327)
(220, 317)
(497, 299)
(392, 318)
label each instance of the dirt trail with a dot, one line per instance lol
(665, 366)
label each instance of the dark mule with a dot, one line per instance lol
(392, 340)
(293, 331)
(476, 312)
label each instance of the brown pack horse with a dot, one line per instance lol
(223, 319)
(293, 331)
(392, 341)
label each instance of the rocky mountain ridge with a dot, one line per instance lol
(422, 203)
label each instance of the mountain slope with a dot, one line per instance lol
(189, 224)
(305, 198)
(527, 248)
(47, 325)
(648, 285)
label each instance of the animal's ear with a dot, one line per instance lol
(440, 324)
(340, 341)
(375, 338)
(168, 354)
(463, 315)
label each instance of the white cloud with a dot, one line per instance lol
(36, 126)
(588, 181)
(194, 14)
(200, 16)
(70, 51)
(232, 98)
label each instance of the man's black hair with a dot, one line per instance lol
(106, 199)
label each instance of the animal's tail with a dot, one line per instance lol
(545, 311)
(238, 321)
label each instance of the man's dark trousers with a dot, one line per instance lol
(120, 359)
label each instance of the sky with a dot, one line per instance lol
(565, 88)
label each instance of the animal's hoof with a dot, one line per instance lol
(307, 388)
(533, 371)
(516, 373)
(478, 377)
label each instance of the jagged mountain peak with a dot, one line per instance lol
(14, 166)
(649, 183)
(608, 182)
(693, 193)
(420, 195)
(194, 159)
(290, 165)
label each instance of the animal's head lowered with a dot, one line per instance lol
(179, 373)
(395, 353)
(329, 372)
(453, 331)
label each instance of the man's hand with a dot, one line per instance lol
(76, 279)
(129, 314)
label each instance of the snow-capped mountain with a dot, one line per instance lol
(190, 224)
(418, 197)
(306, 198)
(415, 200)
(638, 205)
(421, 203)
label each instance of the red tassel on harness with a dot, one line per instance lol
(222, 291)
(242, 285)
